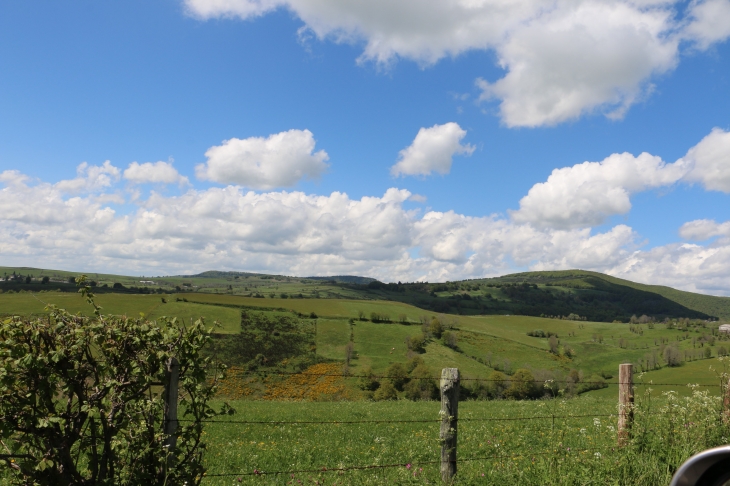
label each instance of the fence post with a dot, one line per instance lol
(726, 404)
(172, 375)
(625, 401)
(449, 419)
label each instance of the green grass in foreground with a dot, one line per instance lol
(578, 450)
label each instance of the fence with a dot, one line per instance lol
(449, 386)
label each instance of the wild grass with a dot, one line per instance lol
(566, 442)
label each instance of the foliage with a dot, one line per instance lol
(421, 386)
(522, 385)
(76, 404)
(436, 328)
(368, 381)
(397, 375)
(386, 391)
(266, 340)
(449, 338)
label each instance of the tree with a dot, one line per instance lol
(397, 375)
(497, 384)
(708, 352)
(386, 392)
(349, 348)
(416, 343)
(522, 384)
(436, 327)
(449, 338)
(553, 344)
(45, 280)
(672, 356)
(76, 405)
(367, 380)
(422, 386)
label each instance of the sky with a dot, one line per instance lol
(409, 140)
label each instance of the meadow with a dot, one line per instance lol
(562, 441)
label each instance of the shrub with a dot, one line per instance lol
(76, 405)
(497, 384)
(422, 385)
(386, 392)
(537, 333)
(449, 339)
(414, 363)
(436, 328)
(367, 380)
(522, 385)
(397, 375)
(416, 343)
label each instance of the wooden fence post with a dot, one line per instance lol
(171, 393)
(449, 419)
(726, 404)
(625, 401)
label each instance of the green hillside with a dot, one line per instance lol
(574, 294)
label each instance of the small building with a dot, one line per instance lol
(725, 328)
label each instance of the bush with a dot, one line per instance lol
(75, 401)
(385, 392)
(414, 363)
(522, 385)
(449, 339)
(497, 384)
(367, 380)
(537, 333)
(436, 328)
(417, 343)
(397, 375)
(422, 385)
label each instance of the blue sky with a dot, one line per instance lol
(401, 140)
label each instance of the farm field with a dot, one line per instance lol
(484, 343)
(594, 296)
(542, 442)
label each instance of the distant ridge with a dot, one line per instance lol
(350, 279)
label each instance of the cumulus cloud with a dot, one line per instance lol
(280, 160)
(562, 59)
(710, 22)
(280, 232)
(586, 194)
(432, 150)
(90, 178)
(710, 160)
(597, 55)
(704, 229)
(304, 234)
(157, 173)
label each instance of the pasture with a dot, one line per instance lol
(499, 442)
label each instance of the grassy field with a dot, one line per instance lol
(543, 442)
(484, 342)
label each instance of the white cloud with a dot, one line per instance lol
(711, 161)
(572, 61)
(280, 160)
(417, 198)
(563, 59)
(280, 232)
(710, 22)
(704, 229)
(157, 173)
(586, 194)
(432, 150)
(90, 178)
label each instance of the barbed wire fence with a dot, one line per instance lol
(449, 390)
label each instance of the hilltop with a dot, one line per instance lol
(573, 294)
